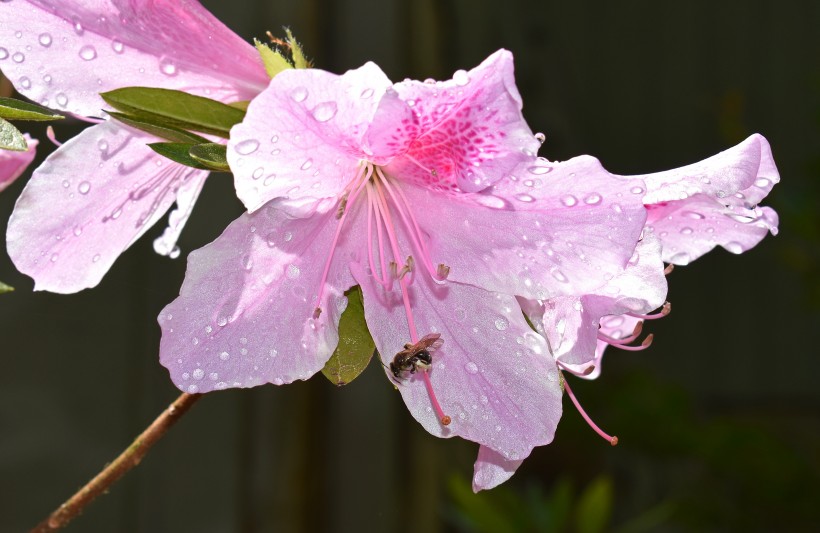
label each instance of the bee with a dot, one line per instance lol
(416, 356)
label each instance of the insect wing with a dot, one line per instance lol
(430, 342)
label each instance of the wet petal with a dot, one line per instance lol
(13, 164)
(186, 196)
(471, 132)
(87, 203)
(493, 375)
(245, 311)
(694, 208)
(302, 137)
(63, 54)
(491, 469)
(574, 229)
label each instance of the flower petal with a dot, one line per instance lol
(492, 469)
(64, 53)
(493, 375)
(88, 202)
(245, 311)
(13, 164)
(571, 323)
(566, 235)
(302, 136)
(694, 208)
(471, 132)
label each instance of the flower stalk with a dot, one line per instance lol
(128, 459)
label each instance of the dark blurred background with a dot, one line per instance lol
(718, 421)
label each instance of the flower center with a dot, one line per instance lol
(384, 199)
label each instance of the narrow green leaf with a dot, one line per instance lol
(242, 105)
(176, 109)
(299, 59)
(11, 138)
(594, 508)
(356, 345)
(178, 153)
(13, 109)
(212, 155)
(5, 288)
(274, 61)
(157, 128)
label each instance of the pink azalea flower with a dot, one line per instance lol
(428, 196)
(692, 209)
(13, 164)
(104, 188)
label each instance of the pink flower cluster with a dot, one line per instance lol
(428, 195)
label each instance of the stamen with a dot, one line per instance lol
(644, 345)
(387, 282)
(669, 268)
(442, 271)
(52, 137)
(444, 419)
(342, 206)
(407, 268)
(585, 372)
(625, 340)
(665, 310)
(365, 173)
(416, 162)
(612, 439)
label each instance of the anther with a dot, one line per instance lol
(613, 440)
(394, 269)
(669, 268)
(52, 137)
(442, 271)
(407, 268)
(316, 313)
(342, 206)
(665, 310)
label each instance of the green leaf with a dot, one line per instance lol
(5, 288)
(242, 105)
(299, 59)
(154, 128)
(11, 138)
(274, 61)
(356, 345)
(13, 109)
(212, 155)
(594, 507)
(176, 109)
(178, 153)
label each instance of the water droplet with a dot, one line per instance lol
(307, 164)
(88, 52)
(62, 99)
(54, 257)
(293, 271)
(552, 375)
(686, 230)
(3, 53)
(501, 323)
(192, 389)
(734, 247)
(221, 321)
(278, 381)
(471, 368)
(78, 28)
(45, 39)
(66, 184)
(26, 83)
(693, 215)
(299, 94)
(637, 190)
(84, 187)
(246, 147)
(325, 111)
(539, 170)
(224, 356)
(78, 231)
(461, 78)
(540, 137)
(247, 262)
(258, 173)
(213, 376)
(762, 182)
(288, 236)
(199, 373)
(274, 139)
(167, 67)
(95, 258)
(593, 199)
(367, 93)
(557, 274)
(680, 258)
(524, 198)
(47, 79)
(569, 200)
(117, 46)
(18, 57)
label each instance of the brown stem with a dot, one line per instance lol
(127, 460)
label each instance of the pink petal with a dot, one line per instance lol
(245, 311)
(471, 132)
(571, 322)
(302, 137)
(88, 202)
(13, 164)
(492, 469)
(694, 208)
(493, 375)
(63, 54)
(574, 228)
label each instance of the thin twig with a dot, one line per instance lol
(127, 460)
